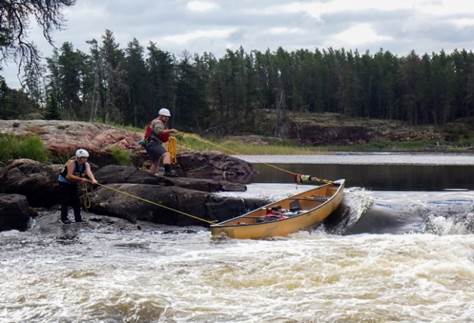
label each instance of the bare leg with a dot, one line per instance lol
(166, 158)
(154, 166)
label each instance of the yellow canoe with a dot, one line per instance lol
(286, 216)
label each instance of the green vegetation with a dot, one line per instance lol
(236, 147)
(234, 93)
(22, 147)
(393, 146)
(270, 147)
(121, 156)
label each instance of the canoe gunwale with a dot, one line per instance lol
(222, 224)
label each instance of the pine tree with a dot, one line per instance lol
(137, 83)
(162, 80)
(52, 109)
(116, 90)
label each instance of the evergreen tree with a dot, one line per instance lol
(52, 109)
(70, 68)
(137, 83)
(33, 83)
(162, 80)
(190, 100)
(115, 85)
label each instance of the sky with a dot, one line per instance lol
(216, 25)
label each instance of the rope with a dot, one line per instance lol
(327, 181)
(156, 204)
(85, 196)
(172, 149)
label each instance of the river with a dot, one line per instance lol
(399, 255)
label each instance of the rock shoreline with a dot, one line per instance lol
(26, 183)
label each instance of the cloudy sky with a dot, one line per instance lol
(215, 25)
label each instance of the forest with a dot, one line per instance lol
(224, 95)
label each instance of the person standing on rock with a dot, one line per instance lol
(74, 172)
(156, 135)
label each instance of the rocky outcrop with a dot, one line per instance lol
(323, 135)
(204, 205)
(216, 166)
(126, 174)
(36, 181)
(62, 138)
(15, 212)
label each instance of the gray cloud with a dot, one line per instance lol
(265, 24)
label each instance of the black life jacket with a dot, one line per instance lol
(79, 170)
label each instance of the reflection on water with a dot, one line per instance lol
(378, 177)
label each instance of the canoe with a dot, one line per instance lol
(280, 218)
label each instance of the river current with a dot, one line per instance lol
(395, 257)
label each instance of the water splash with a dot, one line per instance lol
(357, 201)
(443, 225)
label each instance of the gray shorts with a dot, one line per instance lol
(155, 150)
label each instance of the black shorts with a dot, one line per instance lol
(155, 150)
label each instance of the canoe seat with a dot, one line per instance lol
(295, 206)
(320, 198)
(312, 198)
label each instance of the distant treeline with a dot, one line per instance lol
(224, 95)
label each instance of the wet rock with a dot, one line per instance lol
(197, 203)
(37, 181)
(216, 166)
(205, 185)
(127, 174)
(15, 212)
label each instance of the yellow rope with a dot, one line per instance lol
(156, 204)
(85, 196)
(172, 149)
(327, 181)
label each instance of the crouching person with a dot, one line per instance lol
(74, 173)
(308, 179)
(156, 135)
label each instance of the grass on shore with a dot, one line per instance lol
(194, 142)
(408, 146)
(121, 156)
(236, 147)
(31, 147)
(233, 147)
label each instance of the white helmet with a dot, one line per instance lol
(82, 153)
(164, 112)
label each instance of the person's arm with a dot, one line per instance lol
(159, 128)
(171, 131)
(89, 174)
(70, 173)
